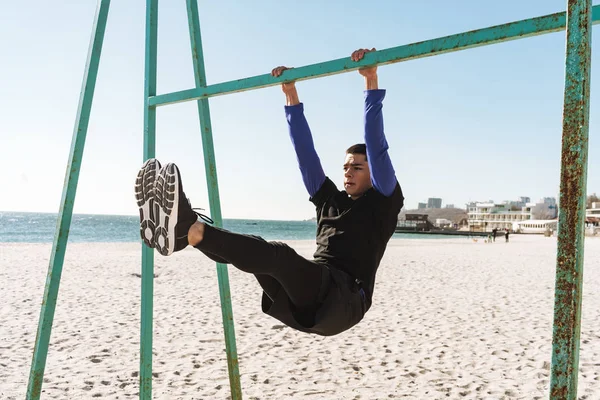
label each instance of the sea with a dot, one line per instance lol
(29, 227)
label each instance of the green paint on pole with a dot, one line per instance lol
(59, 247)
(462, 41)
(213, 195)
(147, 299)
(569, 262)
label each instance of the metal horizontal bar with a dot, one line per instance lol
(462, 41)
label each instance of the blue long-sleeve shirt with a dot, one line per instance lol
(308, 160)
(383, 176)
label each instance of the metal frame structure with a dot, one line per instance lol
(577, 20)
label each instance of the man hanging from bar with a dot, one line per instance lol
(331, 293)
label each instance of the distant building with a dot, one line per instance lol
(434, 202)
(484, 217)
(546, 208)
(548, 200)
(594, 211)
(443, 223)
(536, 226)
(449, 205)
(422, 206)
(592, 219)
(511, 214)
(414, 222)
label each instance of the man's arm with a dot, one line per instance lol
(383, 175)
(308, 160)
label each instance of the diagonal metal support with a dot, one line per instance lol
(213, 194)
(38, 364)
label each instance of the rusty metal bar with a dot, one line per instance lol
(569, 261)
(462, 41)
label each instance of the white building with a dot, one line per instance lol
(536, 226)
(511, 214)
(443, 223)
(592, 219)
(593, 212)
(487, 216)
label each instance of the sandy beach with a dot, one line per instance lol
(451, 319)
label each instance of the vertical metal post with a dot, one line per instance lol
(147, 301)
(569, 264)
(215, 204)
(38, 364)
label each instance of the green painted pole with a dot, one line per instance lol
(569, 262)
(147, 299)
(38, 364)
(214, 200)
(462, 41)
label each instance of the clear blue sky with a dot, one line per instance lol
(474, 125)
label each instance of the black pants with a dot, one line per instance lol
(275, 265)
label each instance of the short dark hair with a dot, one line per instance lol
(359, 148)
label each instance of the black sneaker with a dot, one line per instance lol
(173, 212)
(144, 195)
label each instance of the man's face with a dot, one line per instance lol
(357, 176)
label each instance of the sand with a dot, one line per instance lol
(451, 319)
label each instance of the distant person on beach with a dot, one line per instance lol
(332, 292)
(506, 235)
(494, 233)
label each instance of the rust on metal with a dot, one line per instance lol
(569, 260)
